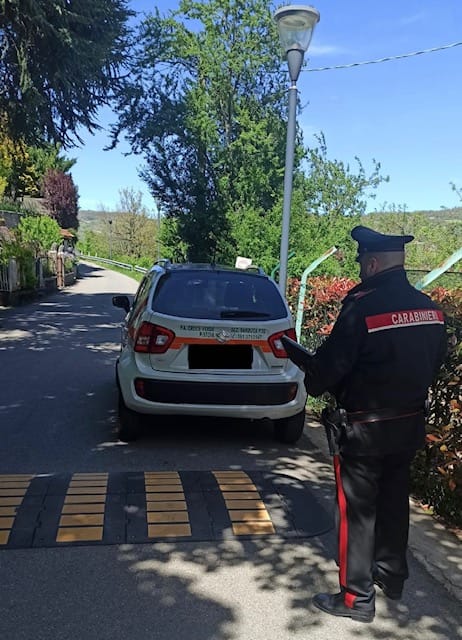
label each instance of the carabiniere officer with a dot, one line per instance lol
(379, 361)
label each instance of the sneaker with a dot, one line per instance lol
(334, 604)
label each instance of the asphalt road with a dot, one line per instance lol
(58, 416)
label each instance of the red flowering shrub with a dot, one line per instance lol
(438, 468)
(323, 299)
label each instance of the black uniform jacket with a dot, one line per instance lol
(379, 361)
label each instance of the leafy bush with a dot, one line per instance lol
(145, 262)
(7, 205)
(437, 469)
(39, 233)
(69, 264)
(27, 269)
(321, 306)
(25, 259)
(30, 239)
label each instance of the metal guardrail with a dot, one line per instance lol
(123, 265)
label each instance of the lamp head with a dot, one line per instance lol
(296, 24)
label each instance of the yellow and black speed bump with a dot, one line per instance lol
(46, 510)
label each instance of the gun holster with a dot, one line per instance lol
(336, 425)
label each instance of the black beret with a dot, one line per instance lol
(370, 241)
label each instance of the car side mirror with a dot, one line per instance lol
(122, 302)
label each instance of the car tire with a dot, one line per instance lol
(129, 422)
(289, 430)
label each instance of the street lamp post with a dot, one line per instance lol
(296, 24)
(110, 239)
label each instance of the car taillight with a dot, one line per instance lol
(152, 338)
(276, 344)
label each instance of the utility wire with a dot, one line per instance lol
(388, 59)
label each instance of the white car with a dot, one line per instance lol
(205, 340)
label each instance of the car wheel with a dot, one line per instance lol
(129, 422)
(289, 430)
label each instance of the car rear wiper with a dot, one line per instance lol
(242, 313)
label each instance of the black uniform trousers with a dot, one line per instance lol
(373, 523)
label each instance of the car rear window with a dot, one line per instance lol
(218, 295)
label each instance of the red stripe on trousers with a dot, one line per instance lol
(343, 524)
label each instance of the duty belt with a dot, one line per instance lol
(379, 415)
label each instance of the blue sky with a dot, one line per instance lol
(405, 113)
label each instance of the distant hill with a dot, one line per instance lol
(444, 214)
(440, 214)
(86, 215)
(447, 215)
(92, 219)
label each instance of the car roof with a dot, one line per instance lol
(166, 265)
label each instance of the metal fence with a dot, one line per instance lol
(10, 277)
(48, 272)
(448, 280)
(4, 278)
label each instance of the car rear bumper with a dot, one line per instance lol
(217, 393)
(272, 399)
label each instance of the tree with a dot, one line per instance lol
(22, 167)
(205, 105)
(435, 240)
(44, 158)
(17, 177)
(128, 234)
(457, 190)
(60, 62)
(92, 243)
(333, 190)
(327, 203)
(61, 198)
(334, 198)
(134, 232)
